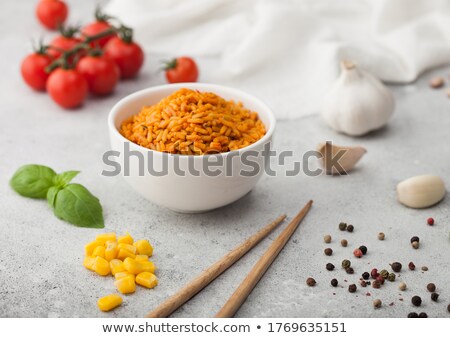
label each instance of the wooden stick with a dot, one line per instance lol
(207, 276)
(240, 295)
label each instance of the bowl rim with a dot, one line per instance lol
(191, 85)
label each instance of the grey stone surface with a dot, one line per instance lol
(41, 272)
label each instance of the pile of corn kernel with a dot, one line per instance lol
(127, 260)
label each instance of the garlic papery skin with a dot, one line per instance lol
(358, 102)
(347, 157)
(421, 191)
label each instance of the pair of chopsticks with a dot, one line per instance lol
(245, 288)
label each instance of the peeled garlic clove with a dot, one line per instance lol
(421, 191)
(345, 163)
(358, 102)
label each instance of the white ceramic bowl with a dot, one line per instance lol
(189, 193)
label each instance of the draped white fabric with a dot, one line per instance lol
(287, 52)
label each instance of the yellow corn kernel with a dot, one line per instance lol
(148, 267)
(144, 247)
(88, 263)
(116, 266)
(141, 258)
(110, 236)
(99, 252)
(109, 302)
(124, 254)
(101, 266)
(126, 239)
(132, 266)
(111, 251)
(147, 279)
(126, 284)
(89, 248)
(122, 274)
(127, 247)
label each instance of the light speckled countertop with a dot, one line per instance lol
(41, 272)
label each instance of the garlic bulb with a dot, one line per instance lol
(347, 157)
(358, 102)
(421, 191)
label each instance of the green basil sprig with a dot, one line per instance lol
(70, 202)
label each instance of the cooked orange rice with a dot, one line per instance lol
(190, 122)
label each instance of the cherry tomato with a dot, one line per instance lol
(63, 42)
(182, 69)
(101, 73)
(98, 26)
(33, 70)
(128, 55)
(67, 87)
(51, 13)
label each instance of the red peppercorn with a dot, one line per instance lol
(374, 273)
(380, 279)
(430, 221)
(358, 253)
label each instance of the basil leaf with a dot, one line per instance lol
(51, 195)
(76, 205)
(61, 180)
(33, 180)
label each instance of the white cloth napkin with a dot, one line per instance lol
(287, 52)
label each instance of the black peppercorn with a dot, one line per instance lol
(413, 315)
(411, 266)
(431, 287)
(415, 239)
(396, 266)
(434, 297)
(334, 282)
(352, 288)
(366, 275)
(311, 281)
(448, 308)
(416, 300)
(350, 228)
(350, 270)
(328, 251)
(342, 226)
(330, 267)
(423, 315)
(363, 249)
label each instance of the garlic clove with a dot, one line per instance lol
(421, 191)
(358, 102)
(345, 163)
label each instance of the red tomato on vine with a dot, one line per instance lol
(100, 25)
(67, 87)
(182, 69)
(33, 68)
(101, 73)
(63, 42)
(51, 13)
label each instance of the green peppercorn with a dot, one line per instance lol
(434, 297)
(381, 236)
(376, 284)
(327, 238)
(350, 228)
(416, 300)
(424, 268)
(396, 266)
(328, 251)
(415, 245)
(384, 273)
(334, 282)
(346, 263)
(352, 288)
(391, 277)
(342, 226)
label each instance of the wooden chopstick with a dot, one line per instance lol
(240, 295)
(207, 276)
